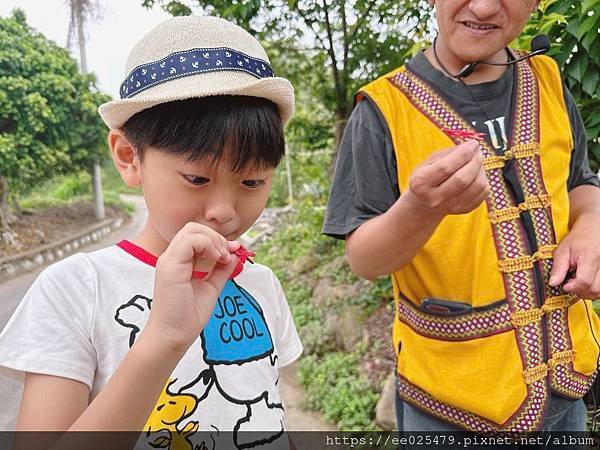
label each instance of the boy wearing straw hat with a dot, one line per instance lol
(171, 333)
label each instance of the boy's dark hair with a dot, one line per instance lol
(246, 130)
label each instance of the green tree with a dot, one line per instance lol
(329, 49)
(48, 119)
(574, 30)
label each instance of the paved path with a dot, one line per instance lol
(13, 290)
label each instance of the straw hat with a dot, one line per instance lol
(196, 56)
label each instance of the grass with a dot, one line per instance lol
(77, 187)
(331, 378)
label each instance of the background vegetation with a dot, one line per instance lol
(50, 135)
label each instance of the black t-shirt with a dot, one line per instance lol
(365, 182)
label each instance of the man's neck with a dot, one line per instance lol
(483, 73)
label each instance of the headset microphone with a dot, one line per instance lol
(539, 44)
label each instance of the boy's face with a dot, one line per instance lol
(178, 191)
(476, 30)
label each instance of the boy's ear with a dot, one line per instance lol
(125, 158)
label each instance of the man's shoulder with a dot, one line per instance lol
(546, 64)
(381, 80)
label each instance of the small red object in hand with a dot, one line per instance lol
(242, 253)
(464, 134)
(245, 254)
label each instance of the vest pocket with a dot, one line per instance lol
(480, 373)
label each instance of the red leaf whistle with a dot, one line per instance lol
(464, 134)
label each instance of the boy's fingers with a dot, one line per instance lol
(219, 242)
(233, 246)
(197, 228)
(191, 250)
(221, 245)
(221, 272)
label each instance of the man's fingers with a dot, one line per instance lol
(585, 277)
(470, 177)
(560, 266)
(443, 168)
(595, 294)
(475, 194)
(435, 156)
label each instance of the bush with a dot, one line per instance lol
(77, 187)
(72, 186)
(334, 386)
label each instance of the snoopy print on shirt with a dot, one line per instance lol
(226, 383)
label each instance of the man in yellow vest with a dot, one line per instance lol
(473, 190)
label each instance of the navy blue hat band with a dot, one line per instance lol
(192, 62)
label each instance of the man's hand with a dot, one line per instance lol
(182, 304)
(579, 251)
(450, 181)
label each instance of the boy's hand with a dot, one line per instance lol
(450, 181)
(182, 305)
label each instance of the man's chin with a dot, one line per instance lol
(494, 54)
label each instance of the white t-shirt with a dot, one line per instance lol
(81, 316)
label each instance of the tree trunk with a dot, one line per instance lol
(79, 13)
(288, 172)
(7, 234)
(96, 173)
(98, 194)
(340, 125)
(16, 206)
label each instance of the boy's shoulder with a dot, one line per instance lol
(84, 264)
(257, 273)
(261, 279)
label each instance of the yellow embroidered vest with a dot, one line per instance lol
(492, 368)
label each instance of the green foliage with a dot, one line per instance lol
(380, 291)
(73, 186)
(299, 236)
(310, 176)
(65, 189)
(574, 30)
(326, 49)
(334, 386)
(48, 119)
